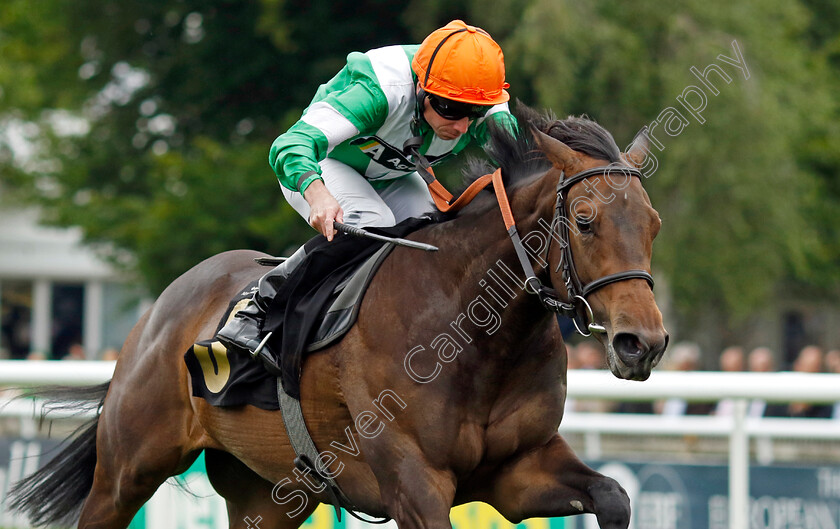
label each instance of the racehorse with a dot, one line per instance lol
(449, 388)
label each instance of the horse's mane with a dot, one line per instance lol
(516, 151)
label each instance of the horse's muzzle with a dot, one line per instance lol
(634, 355)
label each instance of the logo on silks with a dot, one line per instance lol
(659, 498)
(382, 153)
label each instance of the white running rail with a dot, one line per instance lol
(586, 384)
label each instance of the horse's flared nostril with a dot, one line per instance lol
(664, 344)
(640, 350)
(629, 347)
(657, 343)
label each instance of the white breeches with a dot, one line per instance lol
(387, 204)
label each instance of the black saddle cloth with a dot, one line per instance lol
(233, 378)
(296, 311)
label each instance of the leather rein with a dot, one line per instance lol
(577, 307)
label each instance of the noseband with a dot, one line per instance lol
(577, 307)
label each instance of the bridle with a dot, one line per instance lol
(576, 307)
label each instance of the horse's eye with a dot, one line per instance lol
(584, 224)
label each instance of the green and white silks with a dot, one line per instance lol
(361, 118)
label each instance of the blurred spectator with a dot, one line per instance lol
(685, 356)
(75, 352)
(110, 354)
(761, 360)
(832, 365)
(809, 360)
(589, 354)
(15, 328)
(732, 359)
(832, 361)
(36, 355)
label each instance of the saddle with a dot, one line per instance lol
(316, 306)
(343, 308)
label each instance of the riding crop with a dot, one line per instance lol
(352, 230)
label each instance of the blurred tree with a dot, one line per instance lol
(151, 118)
(149, 122)
(818, 149)
(743, 203)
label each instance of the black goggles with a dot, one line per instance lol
(455, 110)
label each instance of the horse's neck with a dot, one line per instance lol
(488, 275)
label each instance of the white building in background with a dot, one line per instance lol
(55, 293)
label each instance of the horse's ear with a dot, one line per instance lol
(558, 153)
(639, 149)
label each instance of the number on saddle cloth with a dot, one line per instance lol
(314, 308)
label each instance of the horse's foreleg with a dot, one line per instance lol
(415, 495)
(552, 481)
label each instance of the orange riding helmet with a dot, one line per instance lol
(462, 63)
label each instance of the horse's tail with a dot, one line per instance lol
(54, 494)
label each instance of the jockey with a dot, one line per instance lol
(348, 158)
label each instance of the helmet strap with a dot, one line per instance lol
(434, 53)
(421, 93)
(412, 145)
(419, 107)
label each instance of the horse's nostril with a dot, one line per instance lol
(628, 346)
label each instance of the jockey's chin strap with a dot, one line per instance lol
(577, 308)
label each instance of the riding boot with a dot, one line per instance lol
(244, 330)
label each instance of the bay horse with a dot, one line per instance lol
(449, 388)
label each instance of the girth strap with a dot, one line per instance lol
(305, 451)
(307, 454)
